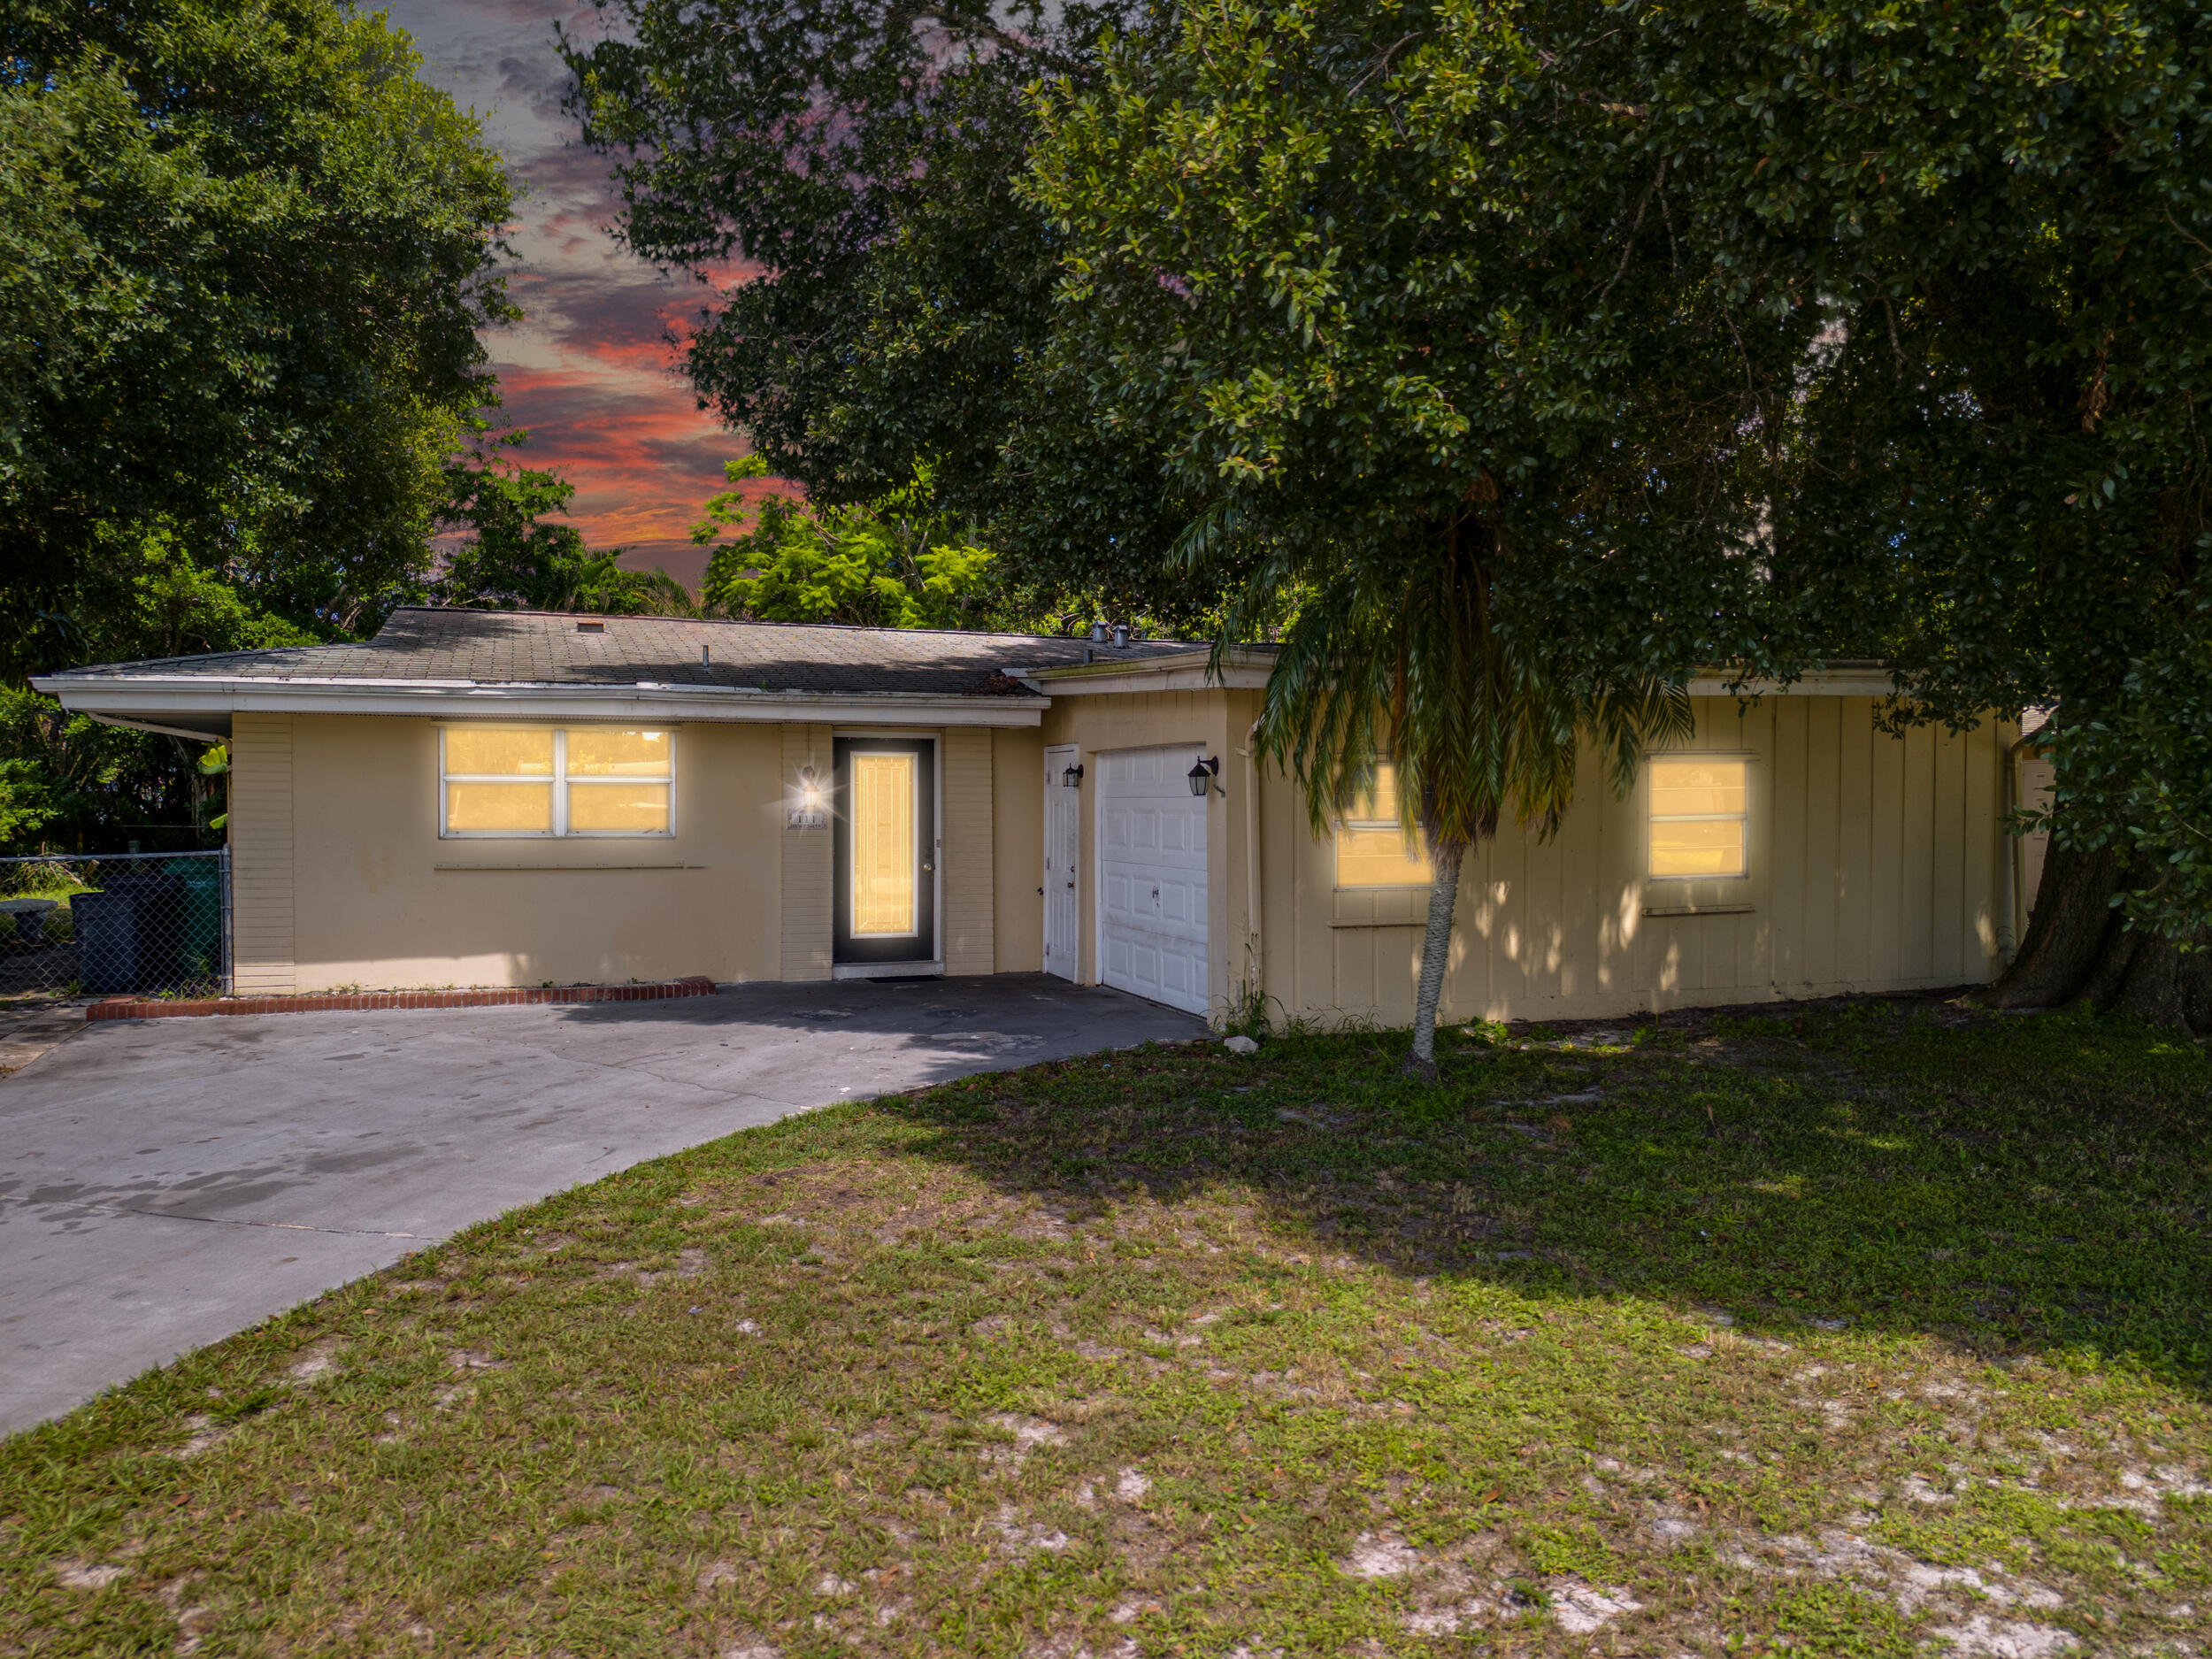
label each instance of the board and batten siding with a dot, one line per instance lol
(261, 933)
(1874, 866)
(966, 939)
(1017, 834)
(807, 872)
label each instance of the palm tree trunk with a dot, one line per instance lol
(1444, 858)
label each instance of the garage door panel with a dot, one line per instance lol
(1152, 877)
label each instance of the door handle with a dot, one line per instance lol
(927, 868)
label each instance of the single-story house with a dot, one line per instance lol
(514, 798)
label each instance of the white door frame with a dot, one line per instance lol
(1058, 758)
(934, 966)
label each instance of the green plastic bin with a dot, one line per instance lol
(200, 946)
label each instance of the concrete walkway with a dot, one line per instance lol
(164, 1183)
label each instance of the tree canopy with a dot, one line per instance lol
(247, 253)
(899, 561)
(507, 549)
(1373, 273)
(2001, 473)
(857, 162)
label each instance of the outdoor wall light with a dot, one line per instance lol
(1201, 776)
(808, 814)
(1073, 777)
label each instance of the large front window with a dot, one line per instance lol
(522, 780)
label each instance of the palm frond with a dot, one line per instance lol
(1396, 654)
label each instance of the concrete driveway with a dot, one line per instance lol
(164, 1183)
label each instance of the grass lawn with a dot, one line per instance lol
(1864, 1331)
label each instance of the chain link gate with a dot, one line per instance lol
(120, 924)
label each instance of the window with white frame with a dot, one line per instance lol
(1372, 849)
(542, 780)
(1700, 818)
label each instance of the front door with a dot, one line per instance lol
(886, 849)
(1063, 841)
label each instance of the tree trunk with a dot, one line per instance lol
(2067, 930)
(2080, 951)
(1444, 858)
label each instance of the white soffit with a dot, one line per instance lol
(176, 699)
(1825, 682)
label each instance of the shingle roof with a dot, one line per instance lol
(490, 648)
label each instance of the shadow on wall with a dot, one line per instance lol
(2003, 1183)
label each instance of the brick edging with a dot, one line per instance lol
(367, 1002)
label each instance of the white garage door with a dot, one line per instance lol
(1152, 876)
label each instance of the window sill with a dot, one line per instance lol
(443, 869)
(1699, 910)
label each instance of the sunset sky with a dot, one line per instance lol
(589, 370)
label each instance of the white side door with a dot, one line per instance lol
(1152, 876)
(1064, 848)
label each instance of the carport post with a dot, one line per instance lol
(230, 984)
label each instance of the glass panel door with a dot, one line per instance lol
(886, 863)
(886, 860)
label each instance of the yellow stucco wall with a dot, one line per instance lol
(340, 879)
(380, 901)
(966, 939)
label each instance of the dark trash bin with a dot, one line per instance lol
(107, 942)
(134, 940)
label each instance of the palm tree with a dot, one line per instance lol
(1401, 656)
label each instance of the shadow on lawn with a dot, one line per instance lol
(2008, 1184)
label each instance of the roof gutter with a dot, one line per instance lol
(155, 699)
(1245, 670)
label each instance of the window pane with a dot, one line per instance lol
(1381, 805)
(513, 807)
(502, 751)
(1708, 847)
(883, 831)
(1379, 858)
(640, 808)
(593, 753)
(1697, 785)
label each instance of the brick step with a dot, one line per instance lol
(369, 1001)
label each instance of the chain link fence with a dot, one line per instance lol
(134, 923)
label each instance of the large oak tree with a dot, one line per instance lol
(2002, 472)
(1389, 283)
